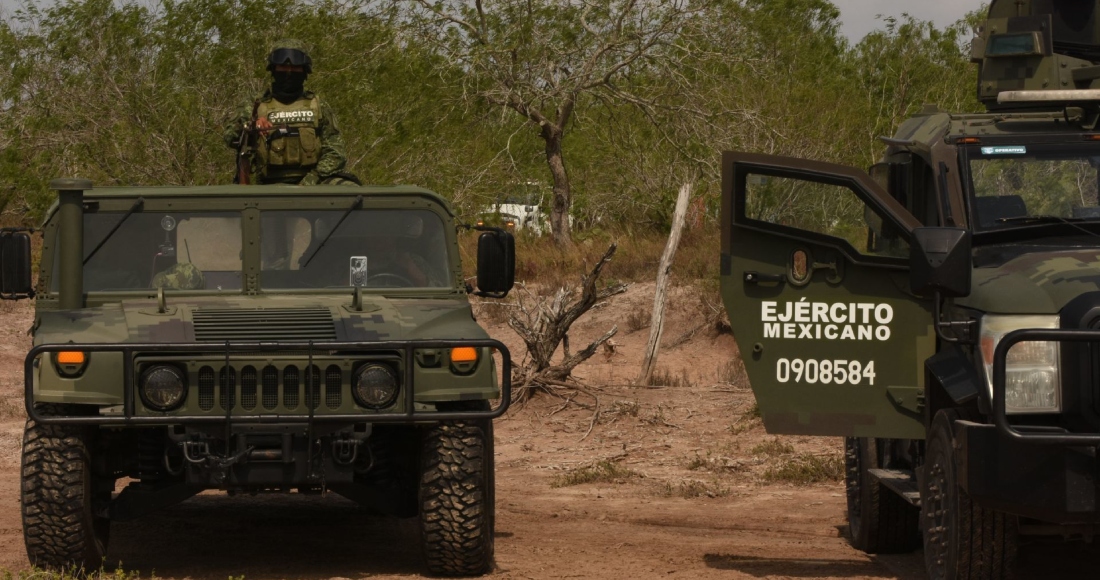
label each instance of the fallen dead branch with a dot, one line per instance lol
(543, 324)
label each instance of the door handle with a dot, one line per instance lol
(757, 278)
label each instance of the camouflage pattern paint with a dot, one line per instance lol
(137, 317)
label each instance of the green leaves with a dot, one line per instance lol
(641, 95)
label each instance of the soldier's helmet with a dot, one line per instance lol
(289, 51)
(181, 276)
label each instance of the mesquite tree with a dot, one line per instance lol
(543, 59)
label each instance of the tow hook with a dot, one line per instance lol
(345, 451)
(198, 453)
(195, 451)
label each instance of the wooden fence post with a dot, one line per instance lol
(657, 321)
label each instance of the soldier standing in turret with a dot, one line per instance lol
(287, 134)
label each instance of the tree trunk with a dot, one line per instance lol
(657, 322)
(563, 197)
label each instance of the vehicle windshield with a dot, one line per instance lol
(368, 248)
(173, 250)
(1021, 185)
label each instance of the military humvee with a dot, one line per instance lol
(942, 312)
(257, 339)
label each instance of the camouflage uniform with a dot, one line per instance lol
(297, 140)
(181, 276)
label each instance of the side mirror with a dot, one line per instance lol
(496, 263)
(939, 261)
(15, 265)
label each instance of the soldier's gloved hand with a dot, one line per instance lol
(311, 178)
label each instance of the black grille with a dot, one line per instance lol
(270, 387)
(290, 387)
(313, 388)
(228, 383)
(248, 387)
(261, 325)
(333, 378)
(206, 388)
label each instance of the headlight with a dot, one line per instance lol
(1032, 378)
(375, 386)
(163, 387)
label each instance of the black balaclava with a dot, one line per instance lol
(288, 86)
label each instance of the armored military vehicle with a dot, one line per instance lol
(257, 339)
(942, 311)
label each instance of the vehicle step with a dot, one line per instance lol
(900, 481)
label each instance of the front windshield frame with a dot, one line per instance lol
(1039, 225)
(229, 199)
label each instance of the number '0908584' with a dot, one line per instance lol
(827, 372)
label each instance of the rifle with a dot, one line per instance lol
(246, 148)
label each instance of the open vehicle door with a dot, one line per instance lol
(815, 260)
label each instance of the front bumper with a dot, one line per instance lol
(133, 415)
(1046, 473)
(1056, 484)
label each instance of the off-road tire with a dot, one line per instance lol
(961, 539)
(457, 498)
(60, 528)
(879, 520)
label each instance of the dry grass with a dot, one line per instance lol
(662, 377)
(732, 372)
(538, 259)
(773, 448)
(805, 469)
(749, 419)
(600, 472)
(71, 574)
(693, 488)
(715, 463)
(618, 410)
(637, 320)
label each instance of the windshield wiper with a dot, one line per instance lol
(1036, 218)
(133, 208)
(1048, 219)
(355, 205)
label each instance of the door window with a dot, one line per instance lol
(828, 209)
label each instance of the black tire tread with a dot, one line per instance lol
(988, 539)
(58, 526)
(456, 499)
(892, 524)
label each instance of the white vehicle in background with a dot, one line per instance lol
(518, 211)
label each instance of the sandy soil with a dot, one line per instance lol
(689, 500)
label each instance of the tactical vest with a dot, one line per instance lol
(292, 148)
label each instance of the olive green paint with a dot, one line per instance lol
(387, 314)
(71, 223)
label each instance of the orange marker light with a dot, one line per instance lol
(968, 140)
(463, 354)
(70, 357)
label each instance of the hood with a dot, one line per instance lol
(1034, 282)
(262, 318)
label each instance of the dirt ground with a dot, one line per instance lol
(688, 488)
